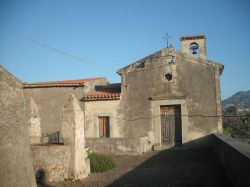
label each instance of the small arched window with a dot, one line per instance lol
(194, 49)
(168, 76)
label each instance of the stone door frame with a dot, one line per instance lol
(157, 118)
(171, 124)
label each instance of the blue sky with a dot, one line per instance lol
(115, 33)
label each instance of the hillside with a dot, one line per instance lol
(242, 99)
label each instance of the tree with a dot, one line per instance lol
(236, 123)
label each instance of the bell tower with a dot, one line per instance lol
(194, 45)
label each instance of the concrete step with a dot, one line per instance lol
(159, 147)
(162, 147)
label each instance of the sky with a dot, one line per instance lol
(99, 37)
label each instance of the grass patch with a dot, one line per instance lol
(100, 163)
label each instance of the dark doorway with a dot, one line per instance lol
(171, 125)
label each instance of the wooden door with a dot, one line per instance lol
(167, 123)
(103, 126)
(170, 124)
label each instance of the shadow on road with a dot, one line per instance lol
(176, 167)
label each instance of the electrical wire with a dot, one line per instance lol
(26, 37)
(44, 45)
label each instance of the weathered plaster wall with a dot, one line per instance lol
(34, 124)
(197, 81)
(194, 83)
(93, 109)
(53, 160)
(15, 155)
(185, 44)
(119, 146)
(74, 136)
(50, 102)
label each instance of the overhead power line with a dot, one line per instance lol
(44, 45)
(31, 39)
(137, 118)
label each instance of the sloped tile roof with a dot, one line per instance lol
(102, 93)
(63, 83)
(100, 96)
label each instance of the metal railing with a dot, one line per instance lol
(52, 137)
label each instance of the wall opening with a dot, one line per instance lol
(168, 76)
(194, 49)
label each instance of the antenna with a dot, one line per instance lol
(167, 37)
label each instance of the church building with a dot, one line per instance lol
(168, 98)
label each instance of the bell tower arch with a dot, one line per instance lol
(194, 45)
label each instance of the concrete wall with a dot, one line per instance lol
(93, 109)
(50, 102)
(234, 155)
(195, 85)
(117, 143)
(53, 160)
(119, 146)
(15, 155)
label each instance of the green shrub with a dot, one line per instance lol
(100, 163)
(228, 131)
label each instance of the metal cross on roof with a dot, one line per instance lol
(167, 37)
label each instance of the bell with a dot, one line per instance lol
(194, 47)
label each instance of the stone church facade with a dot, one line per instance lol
(165, 99)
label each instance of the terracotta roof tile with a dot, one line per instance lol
(108, 92)
(100, 96)
(63, 83)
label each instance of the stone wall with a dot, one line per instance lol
(54, 160)
(234, 155)
(119, 146)
(15, 156)
(69, 161)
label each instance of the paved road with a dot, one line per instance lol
(169, 168)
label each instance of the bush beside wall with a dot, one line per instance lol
(100, 163)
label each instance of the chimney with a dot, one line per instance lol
(194, 45)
